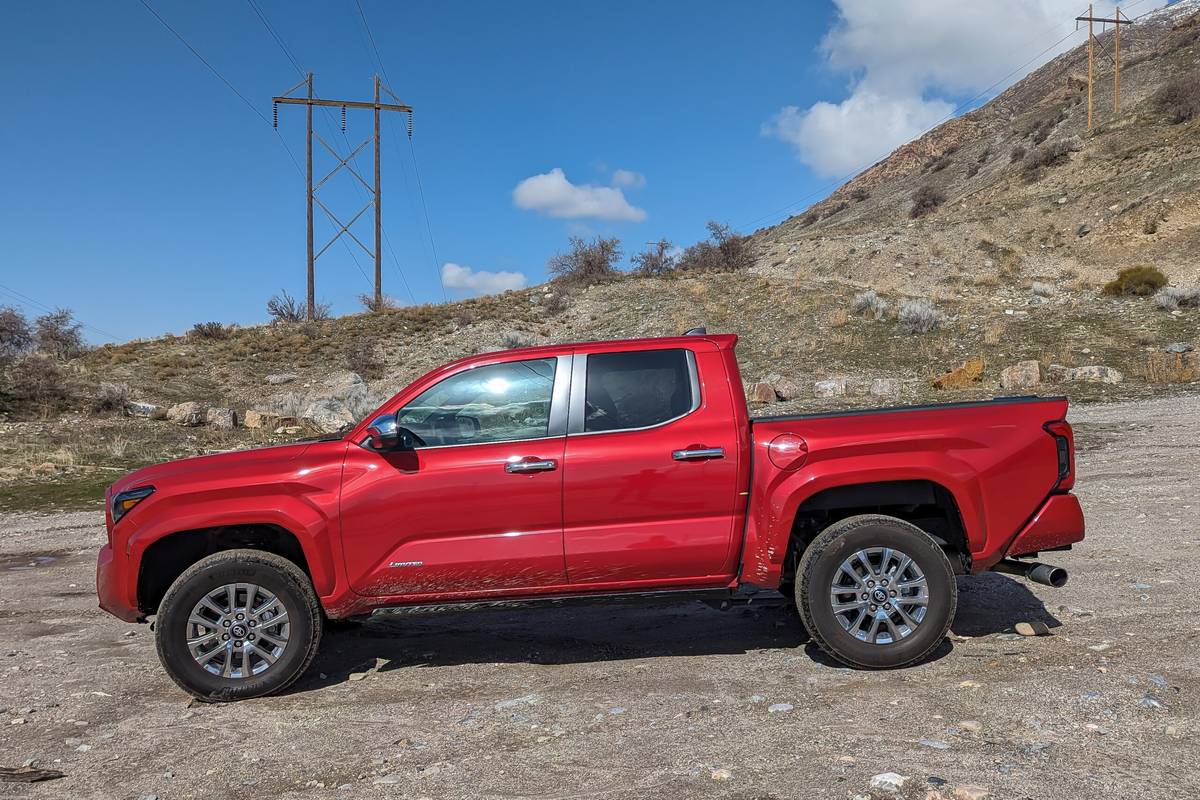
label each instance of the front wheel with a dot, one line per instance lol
(876, 592)
(238, 624)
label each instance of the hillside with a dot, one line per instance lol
(1012, 257)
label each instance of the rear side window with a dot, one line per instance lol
(637, 390)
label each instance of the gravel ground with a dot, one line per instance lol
(656, 702)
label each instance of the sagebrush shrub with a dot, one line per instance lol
(919, 316)
(869, 300)
(111, 398)
(1179, 98)
(209, 330)
(361, 356)
(1173, 297)
(925, 200)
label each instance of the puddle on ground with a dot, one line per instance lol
(23, 562)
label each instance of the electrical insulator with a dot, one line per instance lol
(343, 119)
(274, 115)
(410, 116)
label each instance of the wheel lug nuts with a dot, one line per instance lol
(893, 592)
(253, 623)
(888, 606)
(870, 583)
(873, 606)
(225, 623)
(864, 595)
(241, 616)
(224, 636)
(237, 643)
(251, 637)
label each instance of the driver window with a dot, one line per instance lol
(496, 403)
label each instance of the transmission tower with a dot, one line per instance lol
(375, 191)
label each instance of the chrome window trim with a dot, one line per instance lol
(556, 425)
(579, 393)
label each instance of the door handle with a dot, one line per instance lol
(700, 454)
(519, 467)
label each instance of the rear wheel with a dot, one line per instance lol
(876, 592)
(238, 624)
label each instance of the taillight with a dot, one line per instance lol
(1064, 440)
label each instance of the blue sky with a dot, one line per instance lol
(145, 195)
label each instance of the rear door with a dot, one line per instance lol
(650, 486)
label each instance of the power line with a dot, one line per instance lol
(328, 117)
(18, 297)
(412, 150)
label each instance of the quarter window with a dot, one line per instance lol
(496, 403)
(637, 390)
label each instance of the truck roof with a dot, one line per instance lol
(723, 341)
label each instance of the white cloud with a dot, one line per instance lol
(905, 74)
(553, 195)
(628, 179)
(835, 139)
(478, 281)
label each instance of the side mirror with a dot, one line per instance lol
(383, 435)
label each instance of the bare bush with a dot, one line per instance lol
(659, 259)
(919, 316)
(38, 383)
(285, 308)
(1017, 154)
(59, 335)
(513, 339)
(870, 301)
(586, 263)
(463, 318)
(209, 330)
(724, 251)
(557, 303)
(1038, 160)
(859, 194)
(111, 398)
(1179, 98)
(362, 357)
(1170, 298)
(16, 336)
(384, 303)
(925, 200)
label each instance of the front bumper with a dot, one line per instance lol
(1058, 523)
(113, 586)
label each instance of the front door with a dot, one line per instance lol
(650, 492)
(478, 507)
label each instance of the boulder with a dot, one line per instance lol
(260, 419)
(328, 415)
(1179, 347)
(885, 387)
(223, 418)
(760, 393)
(1022, 375)
(289, 430)
(831, 387)
(189, 414)
(1057, 373)
(281, 377)
(962, 376)
(1097, 374)
(139, 409)
(1172, 367)
(785, 388)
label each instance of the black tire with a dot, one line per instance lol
(273, 573)
(824, 557)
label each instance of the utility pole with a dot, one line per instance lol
(375, 191)
(1116, 21)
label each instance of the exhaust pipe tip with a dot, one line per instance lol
(1048, 575)
(1044, 574)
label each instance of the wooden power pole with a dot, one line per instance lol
(375, 191)
(1117, 20)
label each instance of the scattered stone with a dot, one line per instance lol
(524, 700)
(1151, 702)
(221, 418)
(356, 676)
(1022, 375)
(389, 779)
(721, 774)
(779, 707)
(327, 415)
(281, 378)
(962, 376)
(890, 782)
(1097, 374)
(970, 726)
(760, 393)
(28, 774)
(260, 419)
(1083, 230)
(831, 387)
(1157, 680)
(885, 387)
(969, 685)
(189, 414)
(785, 388)
(756, 698)
(138, 409)
(970, 792)
(936, 744)
(289, 430)
(1179, 347)
(1101, 647)
(1032, 628)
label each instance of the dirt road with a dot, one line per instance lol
(666, 702)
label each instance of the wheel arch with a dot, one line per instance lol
(166, 558)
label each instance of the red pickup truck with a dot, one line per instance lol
(587, 470)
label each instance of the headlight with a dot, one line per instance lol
(124, 502)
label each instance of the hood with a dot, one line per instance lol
(197, 467)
